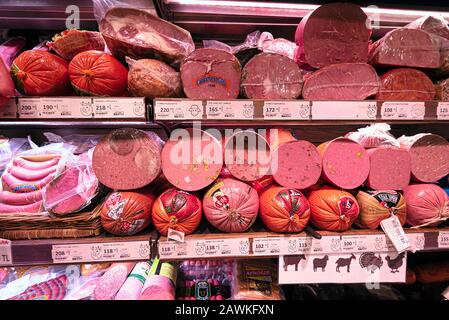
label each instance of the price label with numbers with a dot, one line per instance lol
(443, 239)
(362, 243)
(28, 107)
(296, 245)
(267, 246)
(443, 111)
(9, 109)
(5, 252)
(403, 110)
(119, 108)
(230, 109)
(344, 110)
(286, 110)
(111, 251)
(178, 110)
(65, 108)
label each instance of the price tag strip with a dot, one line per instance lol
(204, 248)
(230, 109)
(5, 252)
(402, 110)
(28, 108)
(119, 108)
(344, 110)
(65, 108)
(92, 252)
(443, 240)
(9, 110)
(286, 110)
(178, 110)
(360, 267)
(443, 111)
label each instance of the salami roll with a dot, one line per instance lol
(193, 161)
(284, 209)
(332, 209)
(113, 279)
(390, 169)
(345, 163)
(247, 155)
(296, 164)
(429, 156)
(211, 74)
(271, 76)
(231, 205)
(127, 159)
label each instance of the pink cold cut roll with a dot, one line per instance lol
(13, 198)
(389, 169)
(429, 154)
(17, 185)
(31, 175)
(112, 280)
(158, 287)
(132, 288)
(427, 205)
(345, 163)
(296, 164)
(35, 165)
(193, 161)
(231, 205)
(29, 208)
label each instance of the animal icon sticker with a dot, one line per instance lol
(344, 262)
(370, 261)
(395, 263)
(320, 263)
(293, 260)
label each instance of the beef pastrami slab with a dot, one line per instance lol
(344, 81)
(406, 47)
(127, 159)
(139, 34)
(296, 164)
(406, 84)
(333, 33)
(390, 169)
(271, 76)
(429, 155)
(211, 74)
(345, 163)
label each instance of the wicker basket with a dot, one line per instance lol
(15, 226)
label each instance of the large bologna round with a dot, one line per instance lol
(127, 159)
(178, 210)
(345, 163)
(231, 205)
(332, 209)
(192, 159)
(284, 210)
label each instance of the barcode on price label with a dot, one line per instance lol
(443, 111)
(230, 109)
(393, 229)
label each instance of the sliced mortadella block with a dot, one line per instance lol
(192, 159)
(296, 164)
(127, 159)
(429, 154)
(345, 163)
(247, 155)
(390, 169)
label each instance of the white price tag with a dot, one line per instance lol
(417, 241)
(443, 111)
(175, 235)
(119, 108)
(172, 249)
(402, 110)
(28, 107)
(230, 109)
(65, 108)
(178, 110)
(362, 243)
(112, 251)
(9, 110)
(296, 245)
(5, 252)
(344, 110)
(443, 239)
(267, 246)
(286, 110)
(393, 229)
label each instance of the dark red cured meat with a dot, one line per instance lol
(333, 33)
(405, 47)
(211, 74)
(390, 169)
(271, 76)
(13, 198)
(127, 159)
(296, 164)
(344, 81)
(345, 163)
(434, 25)
(406, 84)
(139, 34)
(429, 156)
(30, 175)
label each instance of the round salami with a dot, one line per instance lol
(332, 209)
(177, 210)
(126, 213)
(231, 205)
(284, 210)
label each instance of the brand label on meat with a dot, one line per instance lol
(393, 229)
(286, 110)
(212, 81)
(347, 207)
(5, 252)
(230, 109)
(115, 205)
(178, 109)
(402, 110)
(346, 110)
(175, 235)
(443, 111)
